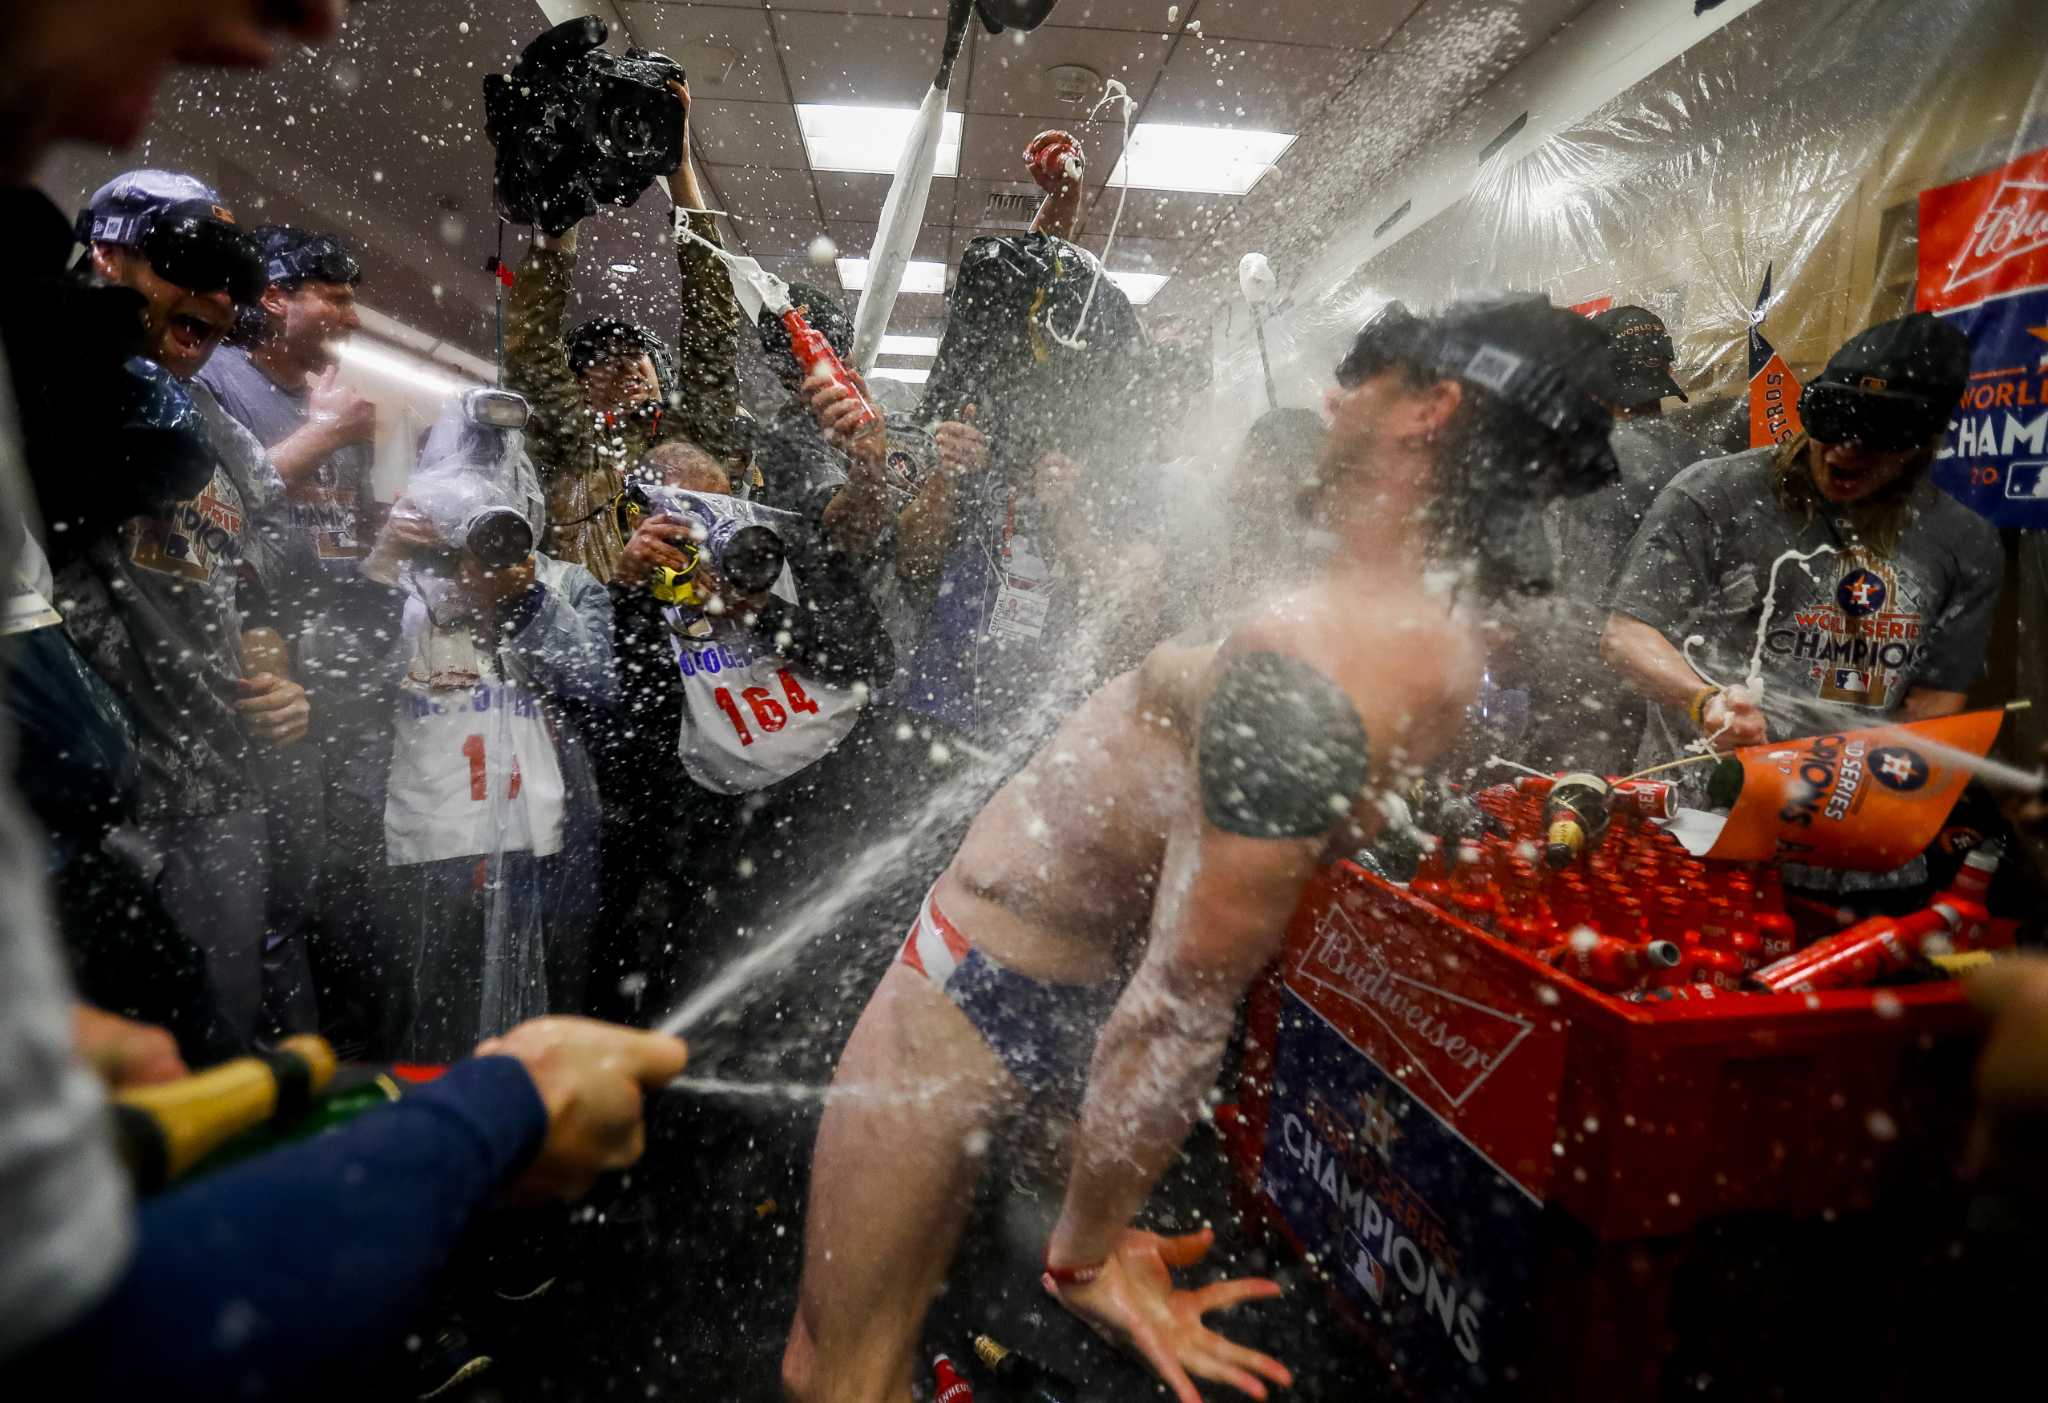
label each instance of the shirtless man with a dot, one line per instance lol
(1143, 867)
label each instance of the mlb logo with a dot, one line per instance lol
(1366, 1269)
(2027, 481)
(1848, 679)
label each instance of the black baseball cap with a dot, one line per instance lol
(1890, 388)
(293, 256)
(1544, 363)
(1640, 355)
(821, 310)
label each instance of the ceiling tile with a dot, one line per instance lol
(760, 134)
(755, 77)
(1270, 87)
(776, 209)
(1120, 14)
(1342, 24)
(1009, 78)
(1132, 255)
(1156, 214)
(872, 60)
(857, 240)
(857, 196)
(920, 9)
(1501, 33)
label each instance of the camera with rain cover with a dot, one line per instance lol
(745, 554)
(577, 126)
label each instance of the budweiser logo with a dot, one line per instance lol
(1456, 1043)
(2014, 223)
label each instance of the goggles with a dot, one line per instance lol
(320, 259)
(1881, 422)
(189, 245)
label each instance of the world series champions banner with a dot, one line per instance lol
(1984, 270)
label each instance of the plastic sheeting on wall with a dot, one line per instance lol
(1799, 143)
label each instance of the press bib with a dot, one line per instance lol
(749, 719)
(438, 802)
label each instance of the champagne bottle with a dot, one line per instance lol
(1023, 1377)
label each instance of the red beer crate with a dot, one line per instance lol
(1497, 1168)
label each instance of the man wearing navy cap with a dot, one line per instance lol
(166, 605)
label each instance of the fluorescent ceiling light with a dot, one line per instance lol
(919, 275)
(910, 346)
(908, 374)
(1140, 288)
(1206, 160)
(398, 366)
(870, 138)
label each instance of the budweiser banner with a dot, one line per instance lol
(1773, 388)
(1984, 269)
(1868, 800)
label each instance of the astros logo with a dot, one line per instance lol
(1896, 767)
(1861, 592)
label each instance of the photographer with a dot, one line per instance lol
(604, 394)
(491, 813)
(171, 607)
(773, 650)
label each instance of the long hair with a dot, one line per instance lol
(1879, 520)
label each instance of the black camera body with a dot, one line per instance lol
(577, 126)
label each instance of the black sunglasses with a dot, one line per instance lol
(190, 246)
(1881, 423)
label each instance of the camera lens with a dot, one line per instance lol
(498, 538)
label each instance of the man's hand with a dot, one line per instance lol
(274, 709)
(1133, 1304)
(591, 1076)
(2010, 1137)
(654, 544)
(1733, 720)
(1053, 479)
(125, 1053)
(682, 92)
(836, 407)
(963, 448)
(343, 416)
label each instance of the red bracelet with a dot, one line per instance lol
(1072, 1276)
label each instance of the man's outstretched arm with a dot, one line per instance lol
(1281, 756)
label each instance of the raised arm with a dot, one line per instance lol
(707, 341)
(537, 361)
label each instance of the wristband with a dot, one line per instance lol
(1072, 1276)
(1698, 709)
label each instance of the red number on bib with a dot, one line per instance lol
(732, 714)
(799, 699)
(767, 710)
(479, 789)
(473, 747)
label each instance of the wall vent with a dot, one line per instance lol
(1507, 134)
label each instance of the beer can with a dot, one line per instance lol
(1651, 798)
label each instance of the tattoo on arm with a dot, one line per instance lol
(1281, 752)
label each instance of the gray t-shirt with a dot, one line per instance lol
(1588, 538)
(1848, 633)
(155, 608)
(324, 511)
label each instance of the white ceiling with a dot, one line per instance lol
(381, 135)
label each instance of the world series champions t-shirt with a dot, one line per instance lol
(155, 608)
(324, 509)
(1846, 634)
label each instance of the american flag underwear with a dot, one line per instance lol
(1044, 1033)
